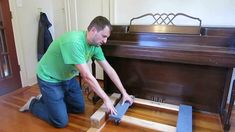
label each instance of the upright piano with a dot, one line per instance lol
(190, 65)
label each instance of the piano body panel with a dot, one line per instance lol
(218, 31)
(219, 34)
(172, 83)
(175, 68)
(182, 53)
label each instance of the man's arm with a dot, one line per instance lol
(116, 80)
(92, 82)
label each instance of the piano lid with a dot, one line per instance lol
(171, 43)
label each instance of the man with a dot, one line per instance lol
(58, 68)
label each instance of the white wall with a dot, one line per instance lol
(211, 12)
(25, 28)
(59, 22)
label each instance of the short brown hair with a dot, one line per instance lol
(99, 23)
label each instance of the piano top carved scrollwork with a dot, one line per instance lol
(165, 19)
(166, 23)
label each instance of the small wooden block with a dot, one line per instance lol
(98, 118)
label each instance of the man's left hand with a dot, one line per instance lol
(126, 97)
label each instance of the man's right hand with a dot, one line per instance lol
(110, 107)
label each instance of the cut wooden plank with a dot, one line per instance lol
(184, 122)
(148, 124)
(92, 129)
(156, 104)
(98, 118)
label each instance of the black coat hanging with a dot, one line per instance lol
(44, 35)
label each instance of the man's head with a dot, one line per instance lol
(98, 31)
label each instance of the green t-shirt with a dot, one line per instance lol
(58, 63)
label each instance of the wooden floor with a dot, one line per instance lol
(14, 121)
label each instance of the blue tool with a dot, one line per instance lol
(184, 122)
(121, 110)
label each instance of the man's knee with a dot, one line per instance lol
(60, 123)
(82, 109)
(79, 110)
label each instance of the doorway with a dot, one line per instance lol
(9, 67)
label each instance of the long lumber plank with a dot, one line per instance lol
(148, 124)
(156, 104)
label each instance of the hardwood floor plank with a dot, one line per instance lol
(12, 120)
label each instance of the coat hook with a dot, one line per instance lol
(39, 10)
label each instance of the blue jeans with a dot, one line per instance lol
(58, 99)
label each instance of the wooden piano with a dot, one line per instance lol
(190, 65)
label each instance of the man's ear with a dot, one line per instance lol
(93, 29)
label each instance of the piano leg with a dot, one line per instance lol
(230, 108)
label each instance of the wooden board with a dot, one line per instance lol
(98, 118)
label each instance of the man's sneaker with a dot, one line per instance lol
(27, 104)
(38, 97)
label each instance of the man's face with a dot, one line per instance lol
(100, 37)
